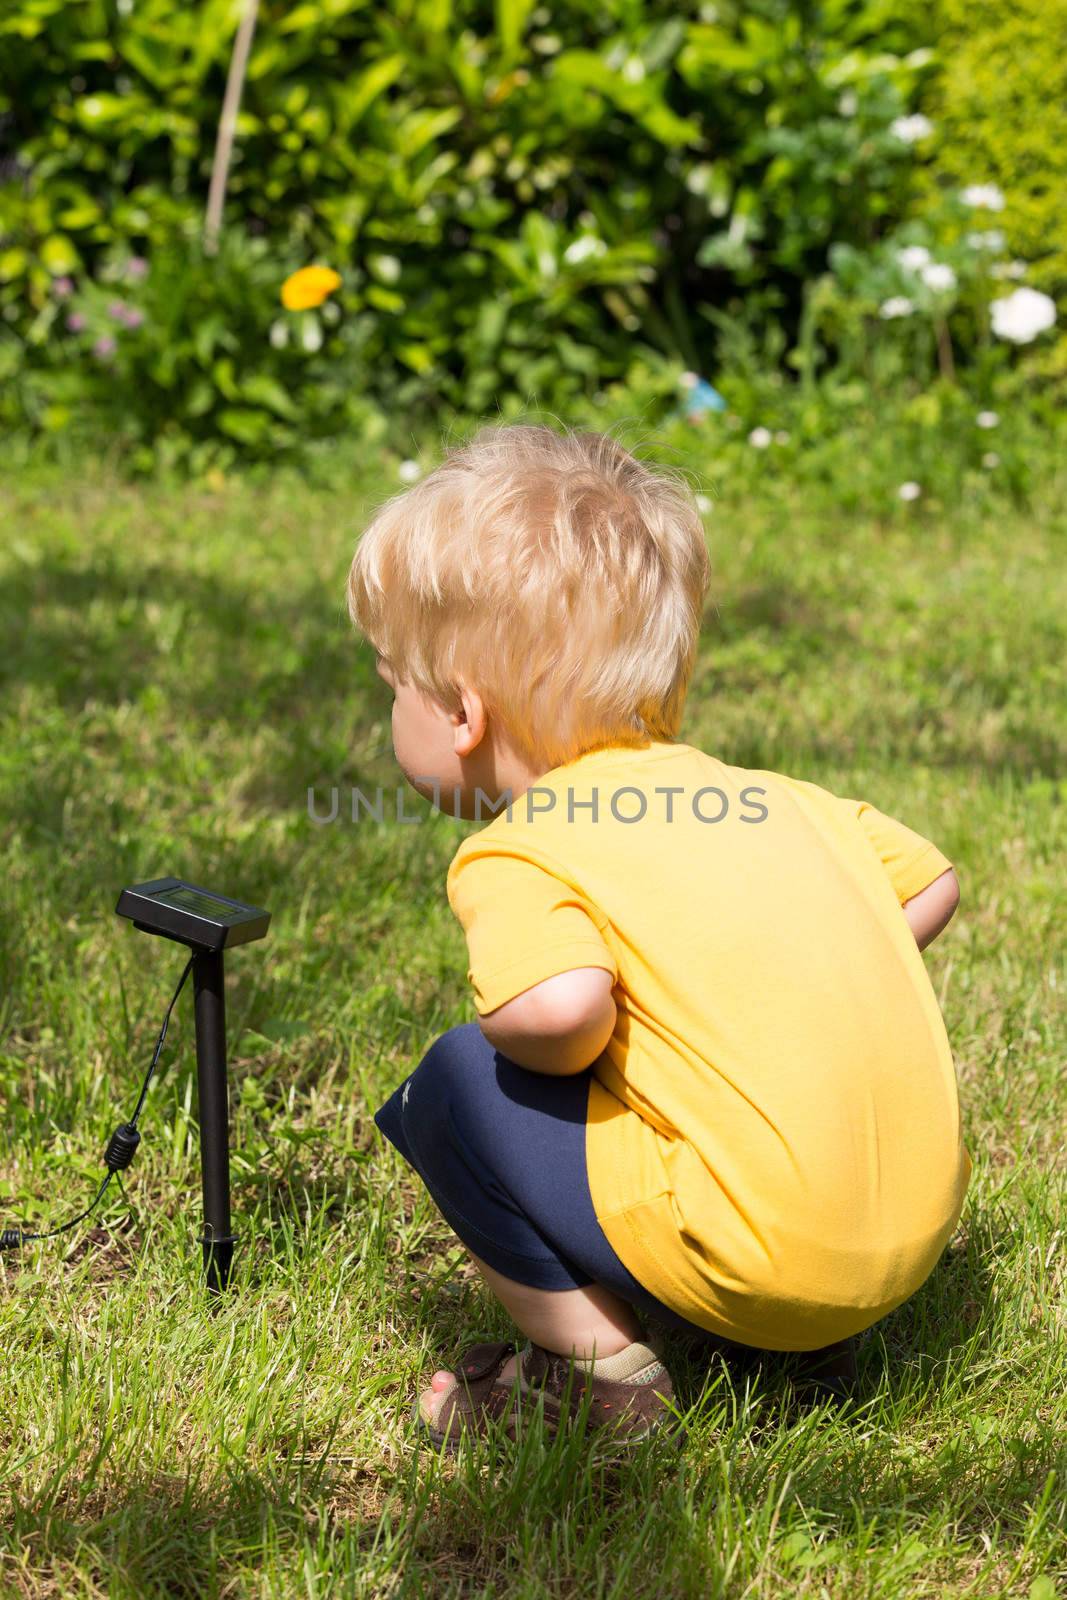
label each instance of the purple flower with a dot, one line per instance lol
(136, 268)
(62, 288)
(105, 347)
(76, 322)
(129, 316)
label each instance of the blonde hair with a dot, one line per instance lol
(555, 574)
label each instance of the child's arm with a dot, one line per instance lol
(558, 1027)
(910, 859)
(561, 1025)
(930, 912)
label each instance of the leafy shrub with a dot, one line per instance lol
(1000, 107)
(192, 358)
(524, 204)
(908, 306)
(514, 200)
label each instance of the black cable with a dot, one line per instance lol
(121, 1147)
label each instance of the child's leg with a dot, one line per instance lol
(585, 1323)
(580, 1322)
(502, 1152)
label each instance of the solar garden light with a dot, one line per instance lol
(208, 924)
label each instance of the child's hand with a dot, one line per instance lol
(558, 1027)
(931, 911)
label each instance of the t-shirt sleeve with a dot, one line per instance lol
(523, 924)
(911, 861)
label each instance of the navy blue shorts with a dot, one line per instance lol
(501, 1151)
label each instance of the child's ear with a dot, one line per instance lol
(470, 723)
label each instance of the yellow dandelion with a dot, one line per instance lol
(309, 287)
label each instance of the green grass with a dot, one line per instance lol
(177, 670)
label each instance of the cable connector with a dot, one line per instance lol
(121, 1147)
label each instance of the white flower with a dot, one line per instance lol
(938, 276)
(913, 256)
(910, 129)
(385, 268)
(991, 460)
(848, 104)
(987, 419)
(992, 239)
(1022, 315)
(1008, 269)
(703, 504)
(409, 472)
(781, 437)
(897, 305)
(760, 438)
(985, 195)
(909, 491)
(584, 247)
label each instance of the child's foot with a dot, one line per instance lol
(632, 1389)
(442, 1383)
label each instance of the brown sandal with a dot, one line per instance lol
(478, 1400)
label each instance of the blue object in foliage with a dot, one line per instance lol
(700, 396)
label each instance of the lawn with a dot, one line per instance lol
(177, 670)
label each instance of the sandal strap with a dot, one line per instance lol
(477, 1397)
(636, 1407)
(479, 1359)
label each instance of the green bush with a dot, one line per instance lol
(190, 359)
(517, 199)
(525, 204)
(1000, 106)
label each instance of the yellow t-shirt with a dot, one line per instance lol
(773, 1135)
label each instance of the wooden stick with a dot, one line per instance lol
(944, 350)
(231, 104)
